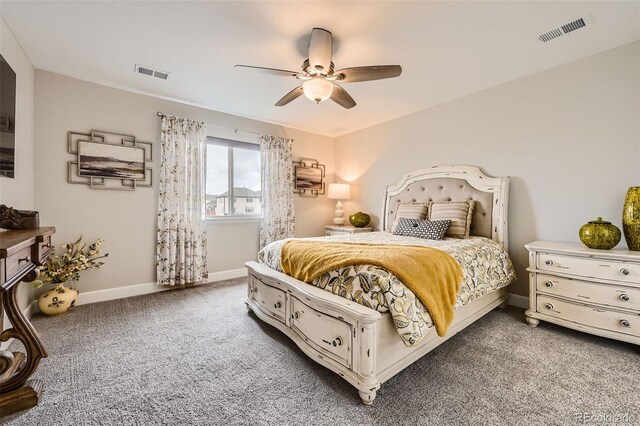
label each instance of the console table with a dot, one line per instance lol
(21, 252)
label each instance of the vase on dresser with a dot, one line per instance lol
(631, 218)
(58, 300)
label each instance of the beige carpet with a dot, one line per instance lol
(196, 357)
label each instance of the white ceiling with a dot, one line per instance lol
(447, 49)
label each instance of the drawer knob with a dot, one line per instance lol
(548, 306)
(548, 284)
(548, 262)
(277, 305)
(625, 323)
(48, 245)
(337, 341)
(624, 297)
(296, 315)
(624, 271)
(24, 259)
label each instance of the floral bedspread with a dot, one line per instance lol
(485, 265)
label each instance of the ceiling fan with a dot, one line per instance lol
(319, 76)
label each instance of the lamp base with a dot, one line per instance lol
(339, 215)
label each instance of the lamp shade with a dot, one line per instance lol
(317, 89)
(339, 191)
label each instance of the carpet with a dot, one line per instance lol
(196, 357)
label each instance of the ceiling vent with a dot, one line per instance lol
(561, 30)
(141, 69)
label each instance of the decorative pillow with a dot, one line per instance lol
(427, 229)
(458, 212)
(411, 211)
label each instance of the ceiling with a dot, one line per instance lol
(447, 49)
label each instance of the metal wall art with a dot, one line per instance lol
(106, 157)
(308, 177)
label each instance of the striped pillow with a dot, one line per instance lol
(411, 211)
(458, 212)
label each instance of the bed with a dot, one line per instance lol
(363, 341)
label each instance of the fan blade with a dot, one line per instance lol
(294, 94)
(320, 48)
(342, 98)
(374, 72)
(272, 71)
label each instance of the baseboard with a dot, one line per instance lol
(123, 292)
(227, 275)
(518, 301)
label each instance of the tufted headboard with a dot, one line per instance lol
(454, 183)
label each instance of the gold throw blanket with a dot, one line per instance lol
(433, 275)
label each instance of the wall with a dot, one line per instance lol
(19, 191)
(127, 220)
(569, 138)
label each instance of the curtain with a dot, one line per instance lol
(182, 231)
(278, 218)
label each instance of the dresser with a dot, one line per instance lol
(341, 230)
(594, 291)
(21, 252)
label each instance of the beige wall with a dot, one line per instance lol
(127, 220)
(569, 138)
(19, 191)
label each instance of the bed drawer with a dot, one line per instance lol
(328, 334)
(270, 299)
(589, 267)
(605, 294)
(620, 322)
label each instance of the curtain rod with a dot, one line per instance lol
(236, 130)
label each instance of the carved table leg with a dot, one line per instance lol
(16, 368)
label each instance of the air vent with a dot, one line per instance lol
(561, 30)
(141, 69)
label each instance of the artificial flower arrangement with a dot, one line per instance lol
(59, 269)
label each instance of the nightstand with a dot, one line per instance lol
(595, 291)
(340, 230)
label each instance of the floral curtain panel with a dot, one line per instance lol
(278, 218)
(182, 231)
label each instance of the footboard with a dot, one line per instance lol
(333, 331)
(358, 343)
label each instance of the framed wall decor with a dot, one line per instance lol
(308, 177)
(105, 158)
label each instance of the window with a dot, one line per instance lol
(233, 173)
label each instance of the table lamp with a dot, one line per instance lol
(339, 191)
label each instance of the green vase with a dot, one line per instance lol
(631, 218)
(359, 220)
(600, 234)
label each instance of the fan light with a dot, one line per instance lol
(317, 89)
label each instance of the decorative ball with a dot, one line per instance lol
(600, 234)
(359, 220)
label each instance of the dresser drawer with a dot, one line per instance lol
(589, 267)
(45, 248)
(602, 318)
(605, 294)
(328, 334)
(270, 299)
(18, 261)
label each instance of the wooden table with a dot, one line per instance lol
(21, 252)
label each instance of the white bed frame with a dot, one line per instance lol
(359, 343)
